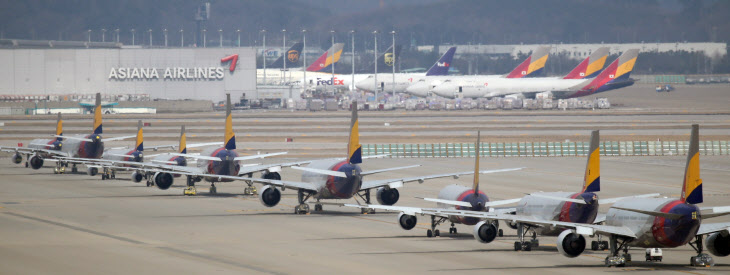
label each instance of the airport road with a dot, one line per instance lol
(71, 224)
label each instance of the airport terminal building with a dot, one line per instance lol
(165, 73)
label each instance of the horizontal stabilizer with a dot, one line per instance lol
(450, 202)
(194, 145)
(321, 171)
(117, 138)
(613, 200)
(558, 198)
(652, 213)
(164, 161)
(122, 155)
(712, 212)
(197, 157)
(41, 144)
(388, 169)
(375, 156)
(260, 156)
(74, 138)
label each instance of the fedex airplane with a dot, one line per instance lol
(613, 77)
(588, 68)
(324, 79)
(82, 146)
(295, 74)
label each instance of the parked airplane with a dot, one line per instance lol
(647, 222)
(332, 55)
(324, 79)
(452, 197)
(613, 77)
(531, 67)
(84, 146)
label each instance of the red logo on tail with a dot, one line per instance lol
(233, 58)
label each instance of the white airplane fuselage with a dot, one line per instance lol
(556, 210)
(654, 231)
(331, 187)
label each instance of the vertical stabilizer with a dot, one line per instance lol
(615, 76)
(140, 137)
(230, 138)
(354, 150)
(183, 142)
(59, 127)
(332, 55)
(476, 163)
(292, 57)
(692, 187)
(441, 67)
(533, 65)
(591, 66)
(97, 115)
(592, 177)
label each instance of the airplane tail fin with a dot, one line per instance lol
(230, 138)
(692, 187)
(591, 66)
(140, 137)
(592, 177)
(533, 65)
(388, 59)
(97, 115)
(329, 57)
(441, 67)
(183, 142)
(354, 149)
(292, 57)
(614, 76)
(59, 127)
(476, 163)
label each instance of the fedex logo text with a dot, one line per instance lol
(442, 64)
(336, 81)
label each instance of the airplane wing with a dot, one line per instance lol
(398, 182)
(613, 200)
(274, 167)
(467, 204)
(707, 228)
(439, 212)
(26, 150)
(364, 173)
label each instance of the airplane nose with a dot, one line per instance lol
(443, 90)
(366, 85)
(420, 90)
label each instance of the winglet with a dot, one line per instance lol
(591, 66)
(533, 65)
(140, 137)
(592, 177)
(476, 163)
(97, 115)
(692, 187)
(441, 67)
(183, 143)
(59, 127)
(230, 138)
(354, 149)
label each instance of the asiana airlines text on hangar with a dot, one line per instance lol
(186, 73)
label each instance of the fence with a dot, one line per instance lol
(544, 149)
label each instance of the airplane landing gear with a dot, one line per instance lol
(435, 221)
(190, 189)
(303, 207)
(702, 259)
(317, 207)
(614, 259)
(452, 230)
(212, 189)
(599, 245)
(74, 169)
(523, 245)
(365, 195)
(250, 190)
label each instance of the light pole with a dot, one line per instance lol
(165, 32)
(263, 54)
(304, 62)
(238, 32)
(89, 35)
(182, 38)
(393, 47)
(220, 38)
(117, 31)
(150, 31)
(333, 62)
(133, 31)
(103, 35)
(204, 39)
(352, 87)
(375, 55)
(283, 54)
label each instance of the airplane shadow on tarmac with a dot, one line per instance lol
(634, 266)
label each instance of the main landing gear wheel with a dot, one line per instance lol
(452, 230)
(500, 233)
(250, 191)
(433, 232)
(365, 195)
(318, 207)
(74, 169)
(367, 211)
(524, 246)
(613, 259)
(190, 191)
(429, 233)
(702, 259)
(212, 189)
(303, 207)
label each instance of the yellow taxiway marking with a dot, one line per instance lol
(304, 135)
(207, 120)
(577, 134)
(193, 135)
(248, 135)
(468, 135)
(523, 134)
(111, 120)
(1, 207)
(256, 120)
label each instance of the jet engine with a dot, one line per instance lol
(387, 196)
(162, 180)
(511, 225)
(269, 196)
(137, 176)
(485, 232)
(36, 162)
(271, 176)
(17, 158)
(570, 244)
(92, 171)
(719, 244)
(406, 221)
